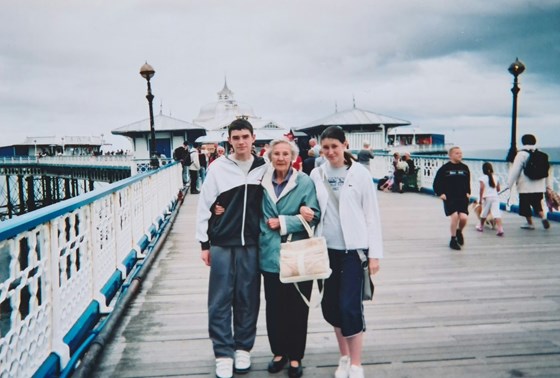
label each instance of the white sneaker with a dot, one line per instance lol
(242, 361)
(343, 367)
(356, 372)
(224, 367)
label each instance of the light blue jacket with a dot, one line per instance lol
(299, 191)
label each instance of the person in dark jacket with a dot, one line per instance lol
(453, 185)
(229, 245)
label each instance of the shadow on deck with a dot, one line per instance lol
(490, 310)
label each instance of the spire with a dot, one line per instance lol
(225, 93)
(354, 102)
(160, 107)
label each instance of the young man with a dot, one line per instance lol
(530, 191)
(453, 185)
(229, 246)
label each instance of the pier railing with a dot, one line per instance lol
(382, 166)
(61, 266)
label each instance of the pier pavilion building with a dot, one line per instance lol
(210, 126)
(170, 133)
(359, 125)
(55, 145)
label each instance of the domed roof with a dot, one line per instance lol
(221, 113)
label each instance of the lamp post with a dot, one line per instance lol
(516, 69)
(147, 73)
(62, 139)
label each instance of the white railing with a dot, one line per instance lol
(55, 261)
(382, 166)
(101, 160)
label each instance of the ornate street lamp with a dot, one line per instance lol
(147, 73)
(515, 69)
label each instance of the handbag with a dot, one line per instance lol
(368, 287)
(304, 260)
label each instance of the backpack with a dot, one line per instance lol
(537, 166)
(183, 155)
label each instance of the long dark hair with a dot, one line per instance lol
(336, 132)
(488, 171)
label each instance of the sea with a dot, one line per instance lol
(500, 154)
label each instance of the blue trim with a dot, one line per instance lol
(129, 261)
(15, 226)
(112, 286)
(80, 330)
(152, 230)
(143, 243)
(49, 368)
(554, 216)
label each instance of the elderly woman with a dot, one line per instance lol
(286, 190)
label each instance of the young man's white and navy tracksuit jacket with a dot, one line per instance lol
(227, 185)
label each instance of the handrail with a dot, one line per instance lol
(61, 266)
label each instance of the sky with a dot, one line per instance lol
(72, 67)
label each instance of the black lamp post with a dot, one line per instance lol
(147, 73)
(515, 69)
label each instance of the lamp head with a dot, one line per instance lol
(147, 71)
(516, 68)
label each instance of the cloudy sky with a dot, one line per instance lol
(71, 67)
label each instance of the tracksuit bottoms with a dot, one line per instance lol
(233, 295)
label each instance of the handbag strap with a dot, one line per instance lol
(305, 225)
(307, 301)
(362, 255)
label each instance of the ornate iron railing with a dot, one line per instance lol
(62, 265)
(382, 166)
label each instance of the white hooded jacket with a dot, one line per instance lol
(358, 208)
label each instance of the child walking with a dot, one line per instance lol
(489, 188)
(453, 185)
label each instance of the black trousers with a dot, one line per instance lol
(194, 179)
(286, 316)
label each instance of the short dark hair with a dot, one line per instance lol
(240, 124)
(186, 143)
(528, 139)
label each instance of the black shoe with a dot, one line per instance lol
(454, 244)
(295, 372)
(276, 366)
(195, 192)
(460, 238)
(546, 224)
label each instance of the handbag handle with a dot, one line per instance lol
(305, 225)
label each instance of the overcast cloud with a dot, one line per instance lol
(71, 67)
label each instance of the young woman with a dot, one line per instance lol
(351, 224)
(489, 189)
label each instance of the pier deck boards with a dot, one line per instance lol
(490, 310)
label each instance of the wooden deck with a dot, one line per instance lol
(490, 310)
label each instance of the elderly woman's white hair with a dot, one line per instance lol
(293, 147)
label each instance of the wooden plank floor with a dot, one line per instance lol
(490, 310)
